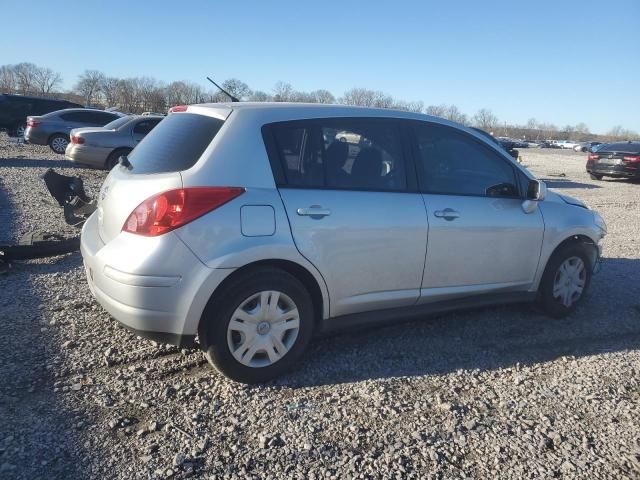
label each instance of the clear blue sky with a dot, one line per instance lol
(561, 61)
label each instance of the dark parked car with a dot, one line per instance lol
(506, 144)
(53, 128)
(14, 110)
(618, 160)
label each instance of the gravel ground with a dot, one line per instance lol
(496, 393)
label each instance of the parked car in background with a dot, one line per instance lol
(53, 128)
(102, 146)
(586, 146)
(548, 144)
(566, 144)
(617, 160)
(505, 143)
(14, 110)
(241, 224)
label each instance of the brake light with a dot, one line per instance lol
(167, 211)
(631, 159)
(77, 140)
(178, 108)
(33, 123)
(593, 156)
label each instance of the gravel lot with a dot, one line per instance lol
(496, 393)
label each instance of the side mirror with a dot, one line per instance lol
(536, 190)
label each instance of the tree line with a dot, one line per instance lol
(140, 94)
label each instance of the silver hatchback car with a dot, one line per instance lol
(253, 226)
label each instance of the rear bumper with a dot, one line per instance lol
(87, 155)
(619, 171)
(35, 136)
(155, 287)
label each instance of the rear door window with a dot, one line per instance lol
(145, 126)
(342, 153)
(175, 144)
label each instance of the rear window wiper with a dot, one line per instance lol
(124, 161)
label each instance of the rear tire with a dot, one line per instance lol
(112, 159)
(258, 326)
(595, 176)
(565, 280)
(58, 143)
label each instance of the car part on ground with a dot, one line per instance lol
(70, 195)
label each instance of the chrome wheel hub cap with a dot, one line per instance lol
(263, 329)
(569, 281)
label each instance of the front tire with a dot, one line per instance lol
(565, 280)
(58, 143)
(258, 326)
(595, 176)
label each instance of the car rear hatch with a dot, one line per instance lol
(154, 166)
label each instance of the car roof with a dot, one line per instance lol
(32, 97)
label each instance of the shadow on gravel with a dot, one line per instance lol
(487, 339)
(34, 163)
(38, 437)
(556, 183)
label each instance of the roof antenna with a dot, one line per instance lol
(233, 99)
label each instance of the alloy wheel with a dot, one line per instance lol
(59, 144)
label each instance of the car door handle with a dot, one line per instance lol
(314, 211)
(447, 214)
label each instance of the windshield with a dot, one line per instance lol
(117, 123)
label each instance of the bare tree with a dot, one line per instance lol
(282, 92)
(323, 96)
(259, 96)
(89, 85)
(485, 119)
(109, 89)
(359, 97)
(46, 80)
(452, 113)
(436, 110)
(237, 88)
(8, 80)
(25, 74)
(417, 107)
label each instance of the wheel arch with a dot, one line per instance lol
(318, 296)
(576, 238)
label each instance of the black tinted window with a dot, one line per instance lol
(72, 116)
(145, 126)
(359, 154)
(452, 162)
(175, 144)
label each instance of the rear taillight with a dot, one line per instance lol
(77, 140)
(593, 156)
(631, 158)
(178, 108)
(170, 210)
(33, 123)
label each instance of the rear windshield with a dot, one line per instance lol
(626, 147)
(117, 123)
(175, 144)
